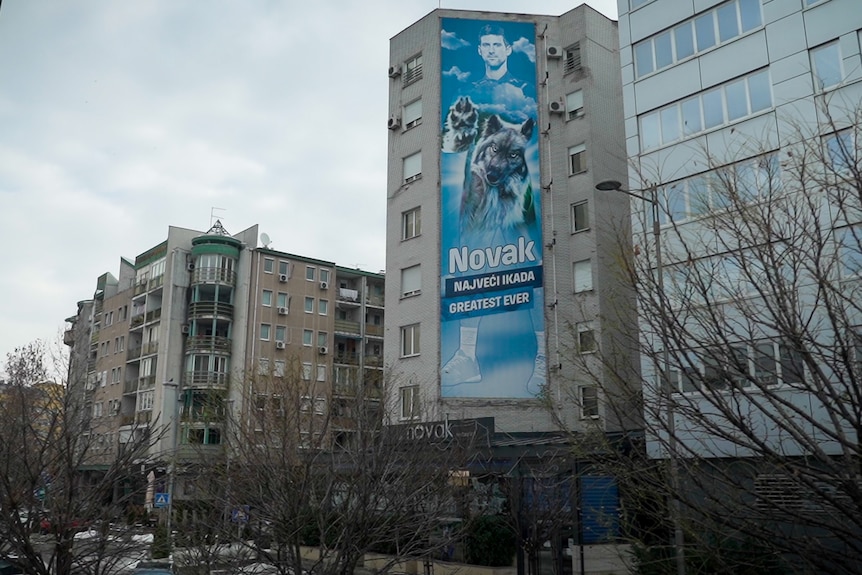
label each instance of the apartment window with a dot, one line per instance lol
(284, 268)
(309, 305)
(410, 340)
(411, 281)
(324, 275)
(321, 373)
(306, 371)
(323, 307)
(145, 400)
(266, 298)
(265, 328)
(97, 409)
(322, 339)
(310, 273)
(826, 66)
(412, 114)
(409, 402)
(589, 397)
(575, 104)
(282, 300)
(583, 275)
(412, 167)
(577, 159)
(719, 25)
(109, 318)
(278, 371)
(573, 58)
(307, 337)
(586, 337)
(580, 217)
(721, 105)
(850, 251)
(268, 265)
(410, 223)
(116, 374)
(412, 70)
(280, 333)
(263, 366)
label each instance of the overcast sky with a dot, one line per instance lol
(120, 118)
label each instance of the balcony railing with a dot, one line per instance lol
(130, 386)
(344, 326)
(213, 275)
(346, 358)
(156, 282)
(146, 382)
(150, 348)
(376, 301)
(206, 379)
(373, 360)
(373, 330)
(345, 294)
(133, 353)
(153, 315)
(210, 342)
(202, 414)
(137, 319)
(210, 308)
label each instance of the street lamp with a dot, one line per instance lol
(175, 404)
(652, 198)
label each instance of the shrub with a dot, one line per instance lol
(490, 541)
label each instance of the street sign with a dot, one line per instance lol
(240, 514)
(161, 499)
(40, 494)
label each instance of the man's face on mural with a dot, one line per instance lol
(494, 50)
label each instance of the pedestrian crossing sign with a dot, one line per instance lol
(162, 500)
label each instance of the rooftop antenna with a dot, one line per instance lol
(264, 239)
(213, 215)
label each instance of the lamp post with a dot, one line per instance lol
(661, 368)
(175, 423)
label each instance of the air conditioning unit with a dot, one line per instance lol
(186, 329)
(282, 311)
(394, 123)
(279, 345)
(557, 107)
(394, 71)
(324, 285)
(554, 52)
(323, 350)
(282, 278)
(190, 266)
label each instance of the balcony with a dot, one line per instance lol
(156, 282)
(141, 287)
(213, 275)
(146, 382)
(208, 342)
(200, 309)
(150, 348)
(203, 414)
(373, 361)
(139, 418)
(347, 327)
(133, 353)
(137, 320)
(347, 295)
(153, 315)
(346, 358)
(373, 330)
(130, 386)
(206, 379)
(375, 301)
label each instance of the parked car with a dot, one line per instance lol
(153, 568)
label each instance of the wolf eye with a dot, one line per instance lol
(513, 154)
(494, 148)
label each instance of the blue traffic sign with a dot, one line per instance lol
(162, 500)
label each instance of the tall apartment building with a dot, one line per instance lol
(182, 336)
(500, 254)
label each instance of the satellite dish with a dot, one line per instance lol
(264, 239)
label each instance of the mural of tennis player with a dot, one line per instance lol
(490, 134)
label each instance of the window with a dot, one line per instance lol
(719, 25)
(577, 159)
(737, 99)
(115, 374)
(575, 105)
(321, 373)
(583, 274)
(764, 363)
(282, 300)
(826, 66)
(310, 272)
(410, 340)
(280, 333)
(145, 400)
(573, 58)
(324, 275)
(410, 223)
(409, 402)
(412, 70)
(589, 397)
(412, 167)
(268, 265)
(306, 371)
(307, 337)
(97, 409)
(411, 281)
(263, 366)
(322, 339)
(850, 251)
(586, 337)
(323, 307)
(412, 114)
(266, 298)
(580, 217)
(279, 368)
(284, 268)
(264, 331)
(309, 305)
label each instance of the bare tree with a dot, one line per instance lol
(47, 446)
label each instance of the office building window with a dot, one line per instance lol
(841, 152)
(410, 402)
(580, 216)
(266, 298)
(412, 114)
(411, 281)
(586, 337)
(575, 104)
(307, 337)
(412, 167)
(411, 223)
(589, 402)
(410, 340)
(583, 276)
(264, 331)
(309, 305)
(573, 58)
(412, 71)
(577, 159)
(850, 251)
(268, 265)
(826, 66)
